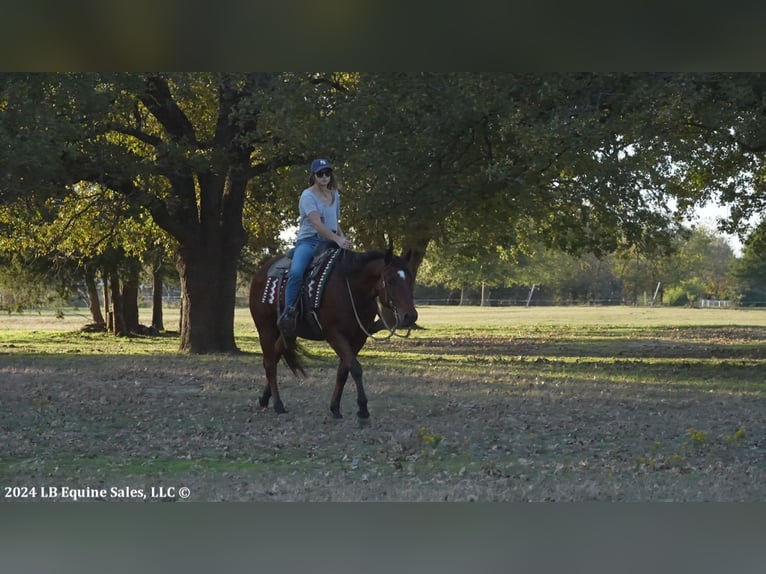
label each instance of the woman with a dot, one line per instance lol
(319, 208)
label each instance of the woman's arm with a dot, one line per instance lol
(327, 233)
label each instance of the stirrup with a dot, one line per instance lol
(287, 322)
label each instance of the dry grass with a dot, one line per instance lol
(485, 404)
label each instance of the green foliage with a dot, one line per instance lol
(24, 288)
(475, 167)
(736, 437)
(686, 293)
(428, 439)
(697, 438)
(697, 266)
(749, 272)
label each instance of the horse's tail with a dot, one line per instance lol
(291, 356)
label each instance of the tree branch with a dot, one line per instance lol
(275, 163)
(138, 134)
(159, 101)
(153, 204)
(317, 80)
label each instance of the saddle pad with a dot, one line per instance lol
(275, 287)
(316, 279)
(319, 274)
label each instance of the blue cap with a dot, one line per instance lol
(319, 165)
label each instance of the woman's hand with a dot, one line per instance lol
(344, 243)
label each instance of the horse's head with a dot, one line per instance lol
(396, 290)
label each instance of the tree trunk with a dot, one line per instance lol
(484, 295)
(208, 289)
(157, 318)
(417, 247)
(93, 301)
(107, 304)
(130, 298)
(208, 269)
(118, 312)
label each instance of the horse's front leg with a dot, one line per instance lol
(340, 382)
(361, 396)
(348, 364)
(263, 400)
(356, 373)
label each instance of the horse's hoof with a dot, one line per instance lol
(363, 422)
(280, 409)
(263, 402)
(336, 415)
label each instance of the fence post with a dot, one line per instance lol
(531, 291)
(657, 290)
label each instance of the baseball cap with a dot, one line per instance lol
(320, 164)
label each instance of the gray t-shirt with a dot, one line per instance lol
(329, 214)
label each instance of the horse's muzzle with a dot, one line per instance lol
(408, 319)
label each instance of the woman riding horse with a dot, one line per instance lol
(319, 208)
(361, 286)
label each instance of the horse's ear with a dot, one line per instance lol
(389, 255)
(408, 256)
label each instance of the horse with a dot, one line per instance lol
(360, 286)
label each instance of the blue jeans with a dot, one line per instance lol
(304, 253)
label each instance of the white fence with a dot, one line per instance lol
(713, 303)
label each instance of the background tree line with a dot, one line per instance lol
(107, 173)
(701, 265)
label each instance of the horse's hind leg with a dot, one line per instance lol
(271, 356)
(263, 400)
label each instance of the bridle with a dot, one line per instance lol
(389, 304)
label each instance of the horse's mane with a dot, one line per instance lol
(350, 262)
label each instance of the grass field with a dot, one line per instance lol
(489, 404)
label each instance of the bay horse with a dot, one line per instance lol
(353, 291)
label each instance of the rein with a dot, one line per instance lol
(391, 330)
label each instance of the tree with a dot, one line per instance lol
(584, 162)
(454, 269)
(513, 157)
(183, 147)
(91, 230)
(697, 266)
(749, 272)
(715, 136)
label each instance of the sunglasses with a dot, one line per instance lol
(324, 173)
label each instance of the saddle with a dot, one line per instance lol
(312, 287)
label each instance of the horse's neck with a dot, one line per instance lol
(367, 276)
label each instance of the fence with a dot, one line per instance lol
(713, 303)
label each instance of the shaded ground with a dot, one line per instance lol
(671, 415)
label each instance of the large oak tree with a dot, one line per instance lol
(184, 147)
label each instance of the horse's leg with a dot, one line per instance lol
(361, 396)
(279, 348)
(271, 372)
(340, 382)
(272, 348)
(356, 373)
(348, 364)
